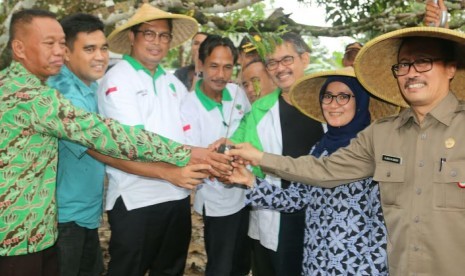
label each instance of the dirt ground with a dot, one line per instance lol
(196, 259)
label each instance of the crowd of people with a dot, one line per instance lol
(354, 171)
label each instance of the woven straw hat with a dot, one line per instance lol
(184, 28)
(305, 95)
(373, 62)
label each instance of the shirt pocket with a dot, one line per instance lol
(447, 195)
(391, 178)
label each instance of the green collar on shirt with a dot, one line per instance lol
(266, 102)
(207, 102)
(138, 66)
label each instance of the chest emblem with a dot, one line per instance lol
(449, 143)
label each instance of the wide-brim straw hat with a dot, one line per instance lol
(184, 28)
(373, 62)
(305, 95)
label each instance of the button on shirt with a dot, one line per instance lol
(205, 121)
(32, 116)
(79, 177)
(423, 205)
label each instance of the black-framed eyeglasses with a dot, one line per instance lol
(341, 98)
(272, 64)
(420, 65)
(150, 36)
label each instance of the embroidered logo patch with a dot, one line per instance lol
(392, 159)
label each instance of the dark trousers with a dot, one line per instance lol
(153, 238)
(287, 260)
(79, 251)
(42, 263)
(227, 244)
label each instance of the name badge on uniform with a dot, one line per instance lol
(392, 159)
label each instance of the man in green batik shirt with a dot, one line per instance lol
(32, 118)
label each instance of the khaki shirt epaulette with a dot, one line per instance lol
(386, 119)
(460, 106)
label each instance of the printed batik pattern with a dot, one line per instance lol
(345, 232)
(32, 118)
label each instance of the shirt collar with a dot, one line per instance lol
(206, 101)
(442, 112)
(138, 66)
(267, 101)
(16, 70)
(84, 88)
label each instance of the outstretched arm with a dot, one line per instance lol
(268, 196)
(186, 177)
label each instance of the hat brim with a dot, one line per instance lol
(306, 91)
(373, 62)
(184, 28)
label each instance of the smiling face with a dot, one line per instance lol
(40, 47)
(217, 70)
(337, 115)
(89, 56)
(425, 90)
(150, 54)
(286, 75)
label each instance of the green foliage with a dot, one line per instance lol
(341, 12)
(253, 13)
(264, 43)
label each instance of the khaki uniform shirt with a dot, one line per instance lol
(423, 201)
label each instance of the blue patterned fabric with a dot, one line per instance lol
(345, 232)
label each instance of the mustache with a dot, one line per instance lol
(286, 72)
(411, 81)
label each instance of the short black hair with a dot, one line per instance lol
(254, 60)
(213, 41)
(297, 42)
(24, 17)
(79, 23)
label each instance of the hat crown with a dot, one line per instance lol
(306, 91)
(184, 28)
(373, 62)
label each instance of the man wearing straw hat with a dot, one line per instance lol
(418, 156)
(150, 219)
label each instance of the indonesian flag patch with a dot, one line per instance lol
(111, 90)
(186, 128)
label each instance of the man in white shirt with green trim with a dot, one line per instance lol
(150, 218)
(215, 110)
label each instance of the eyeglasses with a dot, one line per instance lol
(341, 98)
(421, 65)
(273, 64)
(150, 36)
